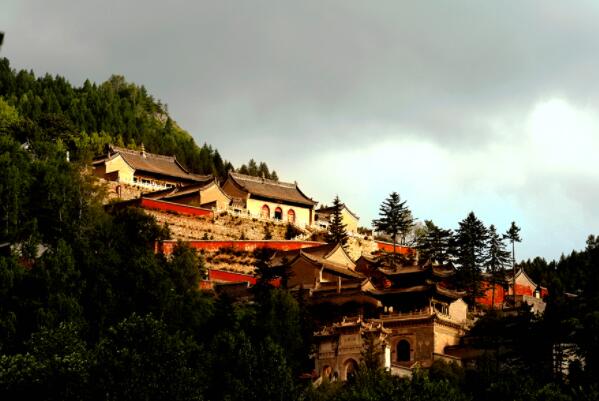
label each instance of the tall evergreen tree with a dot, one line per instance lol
(395, 218)
(434, 244)
(253, 168)
(497, 258)
(471, 243)
(513, 235)
(337, 230)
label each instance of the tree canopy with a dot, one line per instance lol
(337, 233)
(89, 117)
(395, 219)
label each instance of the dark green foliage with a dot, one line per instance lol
(513, 235)
(89, 311)
(375, 385)
(435, 244)
(291, 231)
(186, 268)
(470, 243)
(265, 274)
(139, 359)
(394, 218)
(337, 230)
(261, 170)
(89, 117)
(497, 259)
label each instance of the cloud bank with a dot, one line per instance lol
(457, 105)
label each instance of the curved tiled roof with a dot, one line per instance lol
(330, 209)
(158, 164)
(278, 191)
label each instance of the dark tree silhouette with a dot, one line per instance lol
(471, 242)
(497, 258)
(395, 219)
(337, 230)
(513, 235)
(435, 243)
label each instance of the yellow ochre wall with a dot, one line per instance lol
(351, 223)
(214, 194)
(302, 214)
(118, 164)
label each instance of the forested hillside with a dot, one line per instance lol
(89, 117)
(89, 311)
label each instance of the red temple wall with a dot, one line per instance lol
(167, 247)
(154, 204)
(388, 247)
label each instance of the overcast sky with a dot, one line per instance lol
(489, 106)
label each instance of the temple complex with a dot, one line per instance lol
(324, 215)
(269, 199)
(503, 294)
(143, 169)
(414, 306)
(206, 194)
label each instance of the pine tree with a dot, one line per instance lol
(253, 168)
(497, 258)
(263, 170)
(513, 235)
(435, 244)
(243, 170)
(337, 230)
(395, 218)
(471, 242)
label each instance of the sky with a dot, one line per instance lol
(458, 106)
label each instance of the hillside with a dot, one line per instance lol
(88, 118)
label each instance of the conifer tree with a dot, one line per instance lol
(471, 243)
(435, 244)
(395, 218)
(513, 235)
(497, 258)
(337, 230)
(252, 168)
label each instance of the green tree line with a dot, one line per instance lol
(89, 310)
(89, 117)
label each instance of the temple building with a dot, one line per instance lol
(424, 312)
(414, 308)
(207, 195)
(503, 295)
(329, 277)
(269, 199)
(324, 215)
(143, 169)
(341, 344)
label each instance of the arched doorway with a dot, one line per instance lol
(291, 216)
(403, 351)
(265, 212)
(279, 213)
(350, 367)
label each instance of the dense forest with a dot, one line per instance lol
(89, 117)
(88, 310)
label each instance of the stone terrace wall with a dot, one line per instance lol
(127, 192)
(218, 228)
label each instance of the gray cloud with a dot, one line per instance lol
(274, 79)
